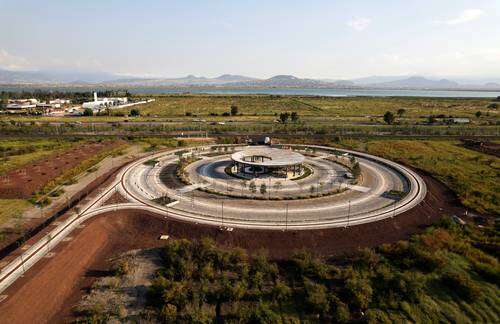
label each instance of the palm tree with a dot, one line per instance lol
(252, 187)
(263, 189)
(277, 186)
(243, 185)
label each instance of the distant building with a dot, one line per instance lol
(15, 104)
(460, 120)
(44, 105)
(259, 140)
(103, 103)
(73, 112)
(60, 101)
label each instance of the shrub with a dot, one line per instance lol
(359, 290)
(135, 112)
(316, 298)
(234, 110)
(88, 112)
(461, 284)
(389, 117)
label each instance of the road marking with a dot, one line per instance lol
(173, 203)
(358, 188)
(191, 187)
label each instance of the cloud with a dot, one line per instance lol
(465, 16)
(13, 62)
(359, 23)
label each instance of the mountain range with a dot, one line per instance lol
(58, 78)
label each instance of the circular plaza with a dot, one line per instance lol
(284, 187)
(254, 161)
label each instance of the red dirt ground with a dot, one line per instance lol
(56, 284)
(23, 182)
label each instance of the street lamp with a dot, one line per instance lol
(222, 216)
(348, 213)
(286, 216)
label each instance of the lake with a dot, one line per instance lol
(285, 91)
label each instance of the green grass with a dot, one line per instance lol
(263, 105)
(15, 153)
(256, 108)
(69, 174)
(12, 208)
(472, 175)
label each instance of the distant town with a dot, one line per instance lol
(67, 107)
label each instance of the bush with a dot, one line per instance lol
(461, 284)
(359, 290)
(316, 298)
(88, 112)
(135, 112)
(234, 110)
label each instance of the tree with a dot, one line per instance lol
(281, 293)
(277, 186)
(356, 170)
(252, 187)
(234, 110)
(4, 100)
(284, 117)
(294, 117)
(478, 114)
(263, 189)
(401, 112)
(243, 185)
(316, 297)
(389, 117)
(135, 112)
(88, 112)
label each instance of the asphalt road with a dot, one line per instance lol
(139, 184)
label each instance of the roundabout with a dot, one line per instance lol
(212, 187)
(193, 187)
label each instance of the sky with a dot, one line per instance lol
(333, 39)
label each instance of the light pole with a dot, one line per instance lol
(222, 216)
(286, 216)
(22, 262)
(349, 213)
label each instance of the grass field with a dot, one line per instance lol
(249, 105)
(15, 153)
(472, 175)
(12, 208)
(311, 109)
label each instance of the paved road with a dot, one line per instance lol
(139, 185)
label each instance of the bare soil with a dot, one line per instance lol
(15, 236)
(56, 284)
(23, 182)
